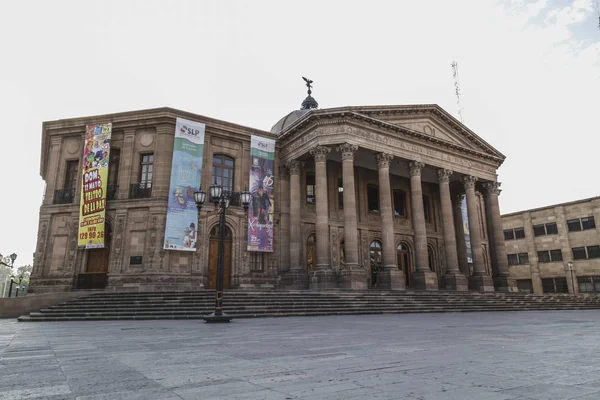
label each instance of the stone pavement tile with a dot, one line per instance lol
(354, 394)
(415, 388)
(312, 388)
(266, 394)
(226, 390)
(140, 394)
(55, 391)
(594, 384)
(466, 393)
(278, 377)
(548, 391)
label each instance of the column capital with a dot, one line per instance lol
(320, 153)
(383, 160)
(347, 151)
(415, 167)
(469, 181)
(294, 166)
(444, 175)
(492, 188)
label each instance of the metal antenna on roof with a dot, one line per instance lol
(457, 89)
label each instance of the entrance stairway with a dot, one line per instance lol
(248, 304)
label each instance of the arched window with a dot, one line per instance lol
(376, 260)
(311, 252)
(222, 171)
(431, 259)
(373, 198)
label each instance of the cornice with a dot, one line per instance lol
(316, 119)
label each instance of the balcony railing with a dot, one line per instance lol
(92, 281)
(64, 196)
(140, 191)
(234, 199)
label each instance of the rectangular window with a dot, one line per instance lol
(373, 198)
(588, 223)
(310, 187)
(71, 174)
(593, 252)
(525, 285)
(426, 208)
(585, 284)
(561, 285)
(574, 225)
(544, 256)
(523, 258)
(579, 253)
(556, 255)
(551, 229)
(340, 193)
(539, 230)
(257, 261)
(519, 233)
(399, 203)
(548, 285)
(513, 259)
(146, 170)
(596, 280)
(509, 234)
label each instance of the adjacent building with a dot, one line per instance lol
(542, 242)
(364, 197)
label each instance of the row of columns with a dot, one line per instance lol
(353, 275)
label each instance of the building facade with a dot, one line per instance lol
(365, 197)
(541, 242)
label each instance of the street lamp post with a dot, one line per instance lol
(221, 200)
(12, 257)
(570, 265)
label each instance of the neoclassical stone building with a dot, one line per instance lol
(365, 197)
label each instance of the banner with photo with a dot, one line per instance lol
(261, 213)
(186, 172)
(96, 153)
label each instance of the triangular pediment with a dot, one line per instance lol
(430, 120)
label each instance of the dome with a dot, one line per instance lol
(288, 120)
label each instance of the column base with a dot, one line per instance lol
(504, 283)
(353, 277)
(391, 278)
(424, 280)
(455, 281)
(294, 280)
(322, 278)
(481, 283)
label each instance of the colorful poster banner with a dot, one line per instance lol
(260, 214)
(96, 153)
(186, 171)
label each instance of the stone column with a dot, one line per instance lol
(461, 244)
(423, 277)
(502, 280)
(323, 276)
(353, 275)
(284, 219)
(390, 277)
(453, 278)
(480, 280)
(296, 277)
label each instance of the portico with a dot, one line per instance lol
(365, 167)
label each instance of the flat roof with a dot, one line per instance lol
(551, 206)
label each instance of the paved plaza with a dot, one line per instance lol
(458, 356)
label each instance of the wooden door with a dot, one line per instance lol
(213, 251)
(97, 261)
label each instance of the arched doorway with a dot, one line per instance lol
(213, 252)
(96, 268)
(403, 256)
(376, 260)
(311, 253)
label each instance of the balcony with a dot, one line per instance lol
(64, 196)
(140, 190)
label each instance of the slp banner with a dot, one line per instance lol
(93, 192)
(260, 215)
(186, 170)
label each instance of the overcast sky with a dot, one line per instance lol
(529, 74)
